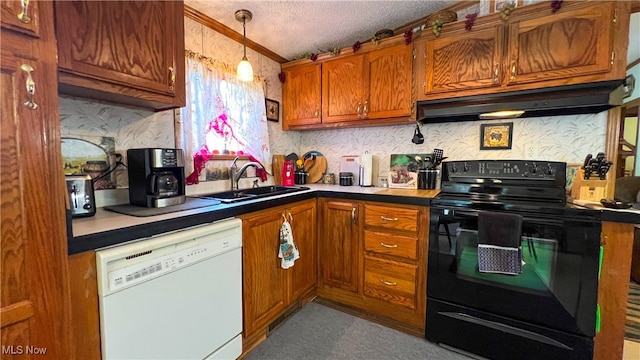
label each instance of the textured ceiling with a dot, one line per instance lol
(291, 28)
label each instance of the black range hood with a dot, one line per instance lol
(586, 98)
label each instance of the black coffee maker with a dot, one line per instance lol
(156, 177)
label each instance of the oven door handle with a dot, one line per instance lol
(529, 219)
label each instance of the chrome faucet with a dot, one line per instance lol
(235, 174)
(233, 170)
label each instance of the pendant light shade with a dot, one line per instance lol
(245, 71)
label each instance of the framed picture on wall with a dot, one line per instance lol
(496, 136)
(273, 110)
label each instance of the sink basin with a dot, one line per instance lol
(253, 193)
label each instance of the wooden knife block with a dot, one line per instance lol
(589, 190)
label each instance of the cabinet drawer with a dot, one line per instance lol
(391, 217)
(384, 243)
(390, 281)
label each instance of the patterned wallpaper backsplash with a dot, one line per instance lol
(557, 138)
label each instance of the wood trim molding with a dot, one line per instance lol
(633, 63)
(611, 147)
(205, 20)
(17, 312)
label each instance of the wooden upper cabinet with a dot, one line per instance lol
(468, 60)
(301, 95)
(371, 87)
(580, 43)
(389, 82)
(343, 95)
(21, 16)
(562, 45)
(129, 52)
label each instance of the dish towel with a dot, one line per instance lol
(499, 249)
(287, 250)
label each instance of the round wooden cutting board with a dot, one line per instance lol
(317, 169)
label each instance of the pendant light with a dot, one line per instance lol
(245, 71)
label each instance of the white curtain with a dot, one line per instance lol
(221, 113)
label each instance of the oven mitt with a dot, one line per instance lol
(287, 250)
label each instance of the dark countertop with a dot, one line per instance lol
(108, 228)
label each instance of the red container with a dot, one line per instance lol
(288, 174)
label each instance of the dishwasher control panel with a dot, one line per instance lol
(152, 258)
(152, 268)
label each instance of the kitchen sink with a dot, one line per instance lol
(253, 193)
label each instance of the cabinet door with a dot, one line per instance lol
(563, 45)
(303, 273)
(115, 45)
(301, 95)
(22, 16)
(264, 280)
(464, 61)
(343, 89)
(389, 82)
(34, 293)
(339, 245)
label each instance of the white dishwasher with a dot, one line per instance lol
(173, 296)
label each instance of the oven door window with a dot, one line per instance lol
(557, 286)
(538, 261)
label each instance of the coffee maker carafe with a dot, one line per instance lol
(156, 177)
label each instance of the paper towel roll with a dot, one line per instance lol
(366, 162)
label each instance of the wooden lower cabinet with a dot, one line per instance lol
(339, 245)
(373, 258)
(85, 314)
(268, 289)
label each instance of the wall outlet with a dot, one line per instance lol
(531, 151)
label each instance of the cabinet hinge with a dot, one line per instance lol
(613, 57)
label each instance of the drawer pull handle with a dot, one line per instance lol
(388, 218)
(388, 283)
(388, 246)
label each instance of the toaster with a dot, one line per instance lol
(81, 195)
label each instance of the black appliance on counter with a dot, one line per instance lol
(156, 177)
(548, 309)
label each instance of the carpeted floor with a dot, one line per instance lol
(632, 326)
(317, 332)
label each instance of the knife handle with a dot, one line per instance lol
(586, 161)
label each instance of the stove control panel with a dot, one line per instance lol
(505, 169)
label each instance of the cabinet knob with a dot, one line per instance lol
(23, 16)
(354, 219)
(31, 87)
(388, 218)
(358, 110)
(365, 110)
(496, 73)
(317, 114)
